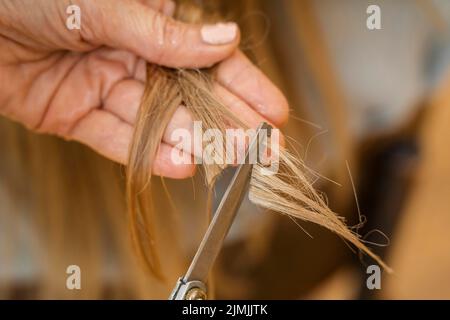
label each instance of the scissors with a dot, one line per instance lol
(192, 286)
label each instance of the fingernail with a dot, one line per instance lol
(220, 33)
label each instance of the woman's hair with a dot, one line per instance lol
(63, 204)
(289, 191)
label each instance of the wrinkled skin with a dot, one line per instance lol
(86, 84)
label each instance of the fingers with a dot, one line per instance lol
(124, 99)
(156, 37)
(166, 167)
(109, 131)
(91, 79)
(182, 119)
(247, 82)
(167, 7)
(239, 107)
(104, 133)
(111, 137)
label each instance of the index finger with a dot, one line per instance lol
(241, 77)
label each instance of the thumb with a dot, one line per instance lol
(156, 37)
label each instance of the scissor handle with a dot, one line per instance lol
(191, 290)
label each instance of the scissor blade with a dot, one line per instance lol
(223, 218)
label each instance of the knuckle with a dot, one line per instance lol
(172, 32)
(170, 39)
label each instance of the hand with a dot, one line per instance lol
(86, 84)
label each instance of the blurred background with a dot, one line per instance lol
(369, 111)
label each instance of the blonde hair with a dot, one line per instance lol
(74, 198)
(288, 192)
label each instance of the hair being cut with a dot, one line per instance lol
(288, 192)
